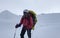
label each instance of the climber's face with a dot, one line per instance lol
(25, 14)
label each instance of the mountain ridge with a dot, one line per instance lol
(7, 14)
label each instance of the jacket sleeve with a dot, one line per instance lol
(21, 21)
(31, 21)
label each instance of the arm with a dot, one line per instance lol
(31, 21)
(21, 21)
(18, 25)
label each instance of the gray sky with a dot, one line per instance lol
(39, 6)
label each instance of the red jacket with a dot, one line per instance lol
(27, 23)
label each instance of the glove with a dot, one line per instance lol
(17, 25)
(33, 28)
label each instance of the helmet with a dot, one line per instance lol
(25, 11)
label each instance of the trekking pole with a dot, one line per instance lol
(15, 33)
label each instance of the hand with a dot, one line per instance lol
(17, 25)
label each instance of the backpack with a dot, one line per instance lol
(32, 13)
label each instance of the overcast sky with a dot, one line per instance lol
(39, 6)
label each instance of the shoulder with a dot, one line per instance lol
(22, 17)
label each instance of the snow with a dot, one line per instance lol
(48, 26)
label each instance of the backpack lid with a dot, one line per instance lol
(32, 12)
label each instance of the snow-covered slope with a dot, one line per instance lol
(7, 24)
(48, 25)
